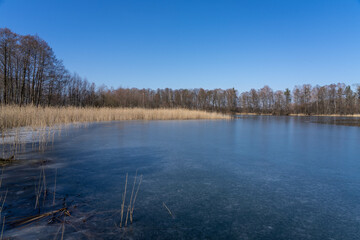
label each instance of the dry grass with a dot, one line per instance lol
(15, 116)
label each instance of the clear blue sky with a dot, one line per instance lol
(190, 44)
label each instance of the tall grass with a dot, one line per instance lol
(14, 116)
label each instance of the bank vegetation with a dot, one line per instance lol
(13, 116)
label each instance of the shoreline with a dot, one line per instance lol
(301, 115)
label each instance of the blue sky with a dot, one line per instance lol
(191, 44)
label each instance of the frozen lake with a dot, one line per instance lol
(255, 177)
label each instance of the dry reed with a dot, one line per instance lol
(2, 229)
(18, 124)
(131, 197)
(133, 203)
(123, 201)
(40, 188)
(166, 207)
(3, 202)
(1, 210)
(63, 229)
(55, 187)
(13, 116)
(57, 233)
(2, 174)
(39, 217)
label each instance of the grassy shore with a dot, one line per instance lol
(31, 116)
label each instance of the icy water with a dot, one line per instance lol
(248, 178)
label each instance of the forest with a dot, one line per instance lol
(30, 74)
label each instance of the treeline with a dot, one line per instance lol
(306, 99)
(30, 73)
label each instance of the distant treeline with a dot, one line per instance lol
(30, 73)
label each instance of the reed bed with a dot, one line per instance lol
(20, 125)
(13, 116)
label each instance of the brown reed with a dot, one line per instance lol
(55, 187)
(40, 188)
(123, 201)
(131, 197)
(2, 229)
(133, 203)
(166, 207)
(13, 116)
